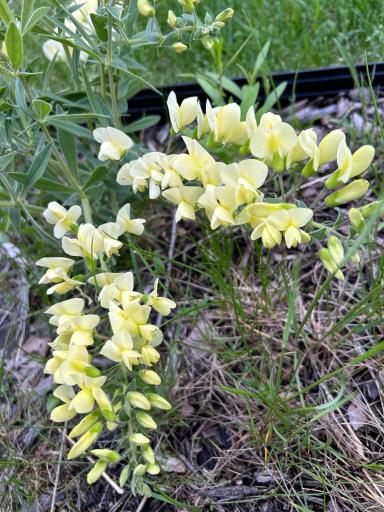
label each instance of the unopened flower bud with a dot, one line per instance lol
(355, 258)
(172, 19)
(225, 15)
(146, 420)
(138, 400)
(85, 441)
(329, 264)
(187, 5)
(336, 250)
(158, 401)
(148, 454)
(145, 8)
(354, 190)
(96, 472)
(179, 47)
(207, 42)
(139, 439)
(153, 469)
(150, 377)
(140, 470)
(356, 218)
(106, 455)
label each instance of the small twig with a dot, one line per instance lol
(58, 469)
(142, 504)
(107, 478)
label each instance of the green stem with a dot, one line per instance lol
(86, 205)
(115, 111)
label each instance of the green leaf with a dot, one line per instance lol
(42, 183)
(5, 12)
(271, 99)
(42, 108)
(14, 46)
(26, 11)
(5, 160)
(210, 89)
(260, 59)
(68, 145)
(100, 24)
(142, 124)
(250, 94)
(36, 16)
(98, 174)
(70, 127)
(37, 168)
(20, 97)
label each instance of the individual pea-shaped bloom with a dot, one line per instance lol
(62, 218)
(329, 146)
(146, 168)
(85, 441)
(89, 243)
(351, 166)
(53, 50)
(146, 420)
(226, 125)
(64, 310)
(184, 114)
(90, 392)
(162, 305)
(81, 328)
(352, 191)
(65, 364)
(185, 197)
(150, 377)
(308, 142)
(138, 400)
(110, 231)
(273, 140)
(157, 401)
(246, 177)
(290, 222)
(128, 225)
(219, 204)
(57, 273)
(191, 165)
(114, 143)
(130, 318)
(63, 412)
(120, 349)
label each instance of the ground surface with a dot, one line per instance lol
(269, 413)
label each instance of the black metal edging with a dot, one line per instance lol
(304, 84)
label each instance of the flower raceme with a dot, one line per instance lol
(116, 325)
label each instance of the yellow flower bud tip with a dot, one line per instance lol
(148, 454)
(96, 472)
(110, 456)
(352, 191)
(146, 420)
(140, 470)
(356, 219)
(153, 469)
(355, 258)
(329, 263)
(138, 400)
(179, 47)
(145, 8)
(150, 377)
(139, 439)
(225, 15)
(86, 423)
(187, 5)
(172, 19)
(85, 441)
(158, 401)
(336, 250)
(92, 371)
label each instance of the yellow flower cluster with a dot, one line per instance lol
(123, 397)
(231, 192)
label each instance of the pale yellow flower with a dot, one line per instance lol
(62, 218)
(114, 143)
(184, 114)
(120, 349)
(290, 222)
(128, 225)
(91, 391)
(162, 305)
(89, 243)
(185, 197)
(226, 125)
(219, 204)
(246, 177)
(191, 165)
(63, 413)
